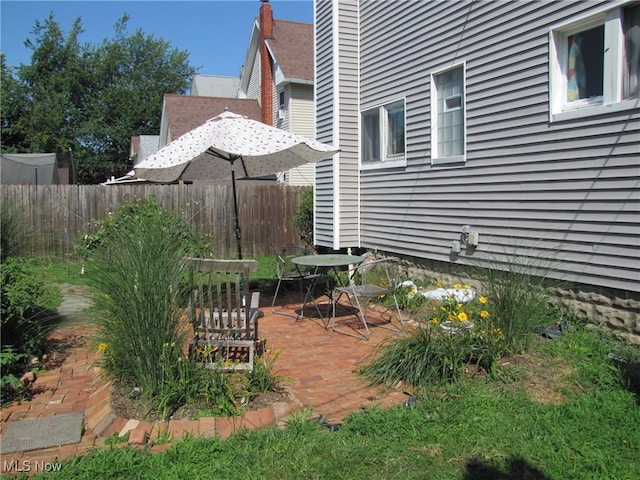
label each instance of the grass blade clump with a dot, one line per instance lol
(137, 278)
(519, 285)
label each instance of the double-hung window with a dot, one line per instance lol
(594, 63)
(448, 135)
(383, 135)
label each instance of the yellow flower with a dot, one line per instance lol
(484, 314)
(482, 300)
(435, 321)
(102, 347)
(468, 287)
(443, 308)
(459, 306)
(462, 317)
(457, 286)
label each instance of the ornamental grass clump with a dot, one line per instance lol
(457, 335)
(519, 285)
(137, 277)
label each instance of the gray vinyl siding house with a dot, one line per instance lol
(529, 171)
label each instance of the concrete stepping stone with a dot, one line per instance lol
(41, 433)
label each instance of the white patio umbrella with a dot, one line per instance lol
(231, 146)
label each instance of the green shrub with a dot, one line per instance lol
(107, 231)
(303, 219)
(24, 321)
(12, 365)
(25, 318)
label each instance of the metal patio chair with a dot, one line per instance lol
(288, 272)
(369, 283)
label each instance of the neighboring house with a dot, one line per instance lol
(279, 72)
(182, 113)
(491, 115)
(29, 169)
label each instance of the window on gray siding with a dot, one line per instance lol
(371, 136)
(448, 116)
(594, 63)
(383, 135)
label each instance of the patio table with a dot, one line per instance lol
(323, 263)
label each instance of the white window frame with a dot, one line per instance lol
(386, 160)
(436, 157)
(612, 92)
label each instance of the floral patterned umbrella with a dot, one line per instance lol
(231, 146)
(208, 152)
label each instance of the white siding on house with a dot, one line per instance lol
(343, 227)
(325, 105)
(301, 110)
(300, 114)
(253, 89)
(567, 191)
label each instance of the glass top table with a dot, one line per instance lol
(327, 260)
(323, 262)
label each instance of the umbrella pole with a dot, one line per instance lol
(235, 209)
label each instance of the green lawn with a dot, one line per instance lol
(484, 429)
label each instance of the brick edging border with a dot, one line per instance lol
(102, 421)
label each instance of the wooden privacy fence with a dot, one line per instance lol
(55, 216)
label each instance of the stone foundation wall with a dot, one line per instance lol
(616, 310)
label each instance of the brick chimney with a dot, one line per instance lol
(266, 73)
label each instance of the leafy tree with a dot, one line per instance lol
(13, 102)
(53, 88)
(89, 98)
